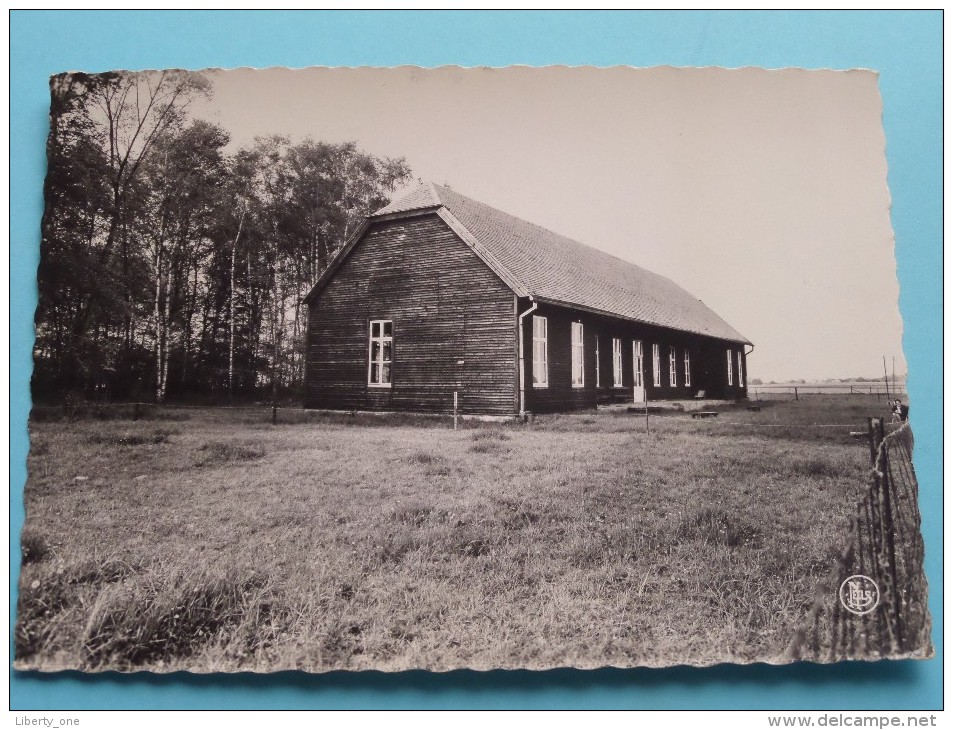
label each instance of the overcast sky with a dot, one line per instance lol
(764, 193)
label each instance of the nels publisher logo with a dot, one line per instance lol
(859, 594)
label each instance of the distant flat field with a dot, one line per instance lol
(857, 387)
(211, 540)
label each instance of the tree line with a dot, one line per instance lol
(172, 267)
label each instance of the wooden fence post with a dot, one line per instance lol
(875, 431)
(890, 595)
(795, 393)
(886, 382)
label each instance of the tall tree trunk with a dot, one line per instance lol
(297, 362)
(231, 310)
(164, 370)
(157, 313)
(277, 324)
(187, 322)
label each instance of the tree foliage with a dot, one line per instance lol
(172, 265)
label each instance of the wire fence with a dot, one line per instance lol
(874, 603)
(895, 390)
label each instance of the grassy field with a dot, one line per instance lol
(214, 541)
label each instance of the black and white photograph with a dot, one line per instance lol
(468, 368)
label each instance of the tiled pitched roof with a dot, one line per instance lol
(556, 268)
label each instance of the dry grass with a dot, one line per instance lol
(220, 542)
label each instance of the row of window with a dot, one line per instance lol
(541, 360)
(381, 358)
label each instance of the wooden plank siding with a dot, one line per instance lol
(453, 325)
(707, 357)
(455, 329)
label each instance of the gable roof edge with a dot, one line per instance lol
(337, 261)
(489, 259)
(352, 241)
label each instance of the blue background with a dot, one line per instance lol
(904, 46)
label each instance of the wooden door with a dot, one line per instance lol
(638, 382)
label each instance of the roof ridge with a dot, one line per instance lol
(516, 217)
(403, 203)
(563, 236)
(433, 192)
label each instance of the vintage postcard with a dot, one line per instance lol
(405, 368)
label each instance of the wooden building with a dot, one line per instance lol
(437, 294)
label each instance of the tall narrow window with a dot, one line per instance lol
(616, 362)
(540, 353)
(380, 353)
(598, 377)
(688, 368)
(672, 373)
(637, 381)
(656, 367)
(578, 371)
(741, 373)
(730, 368)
